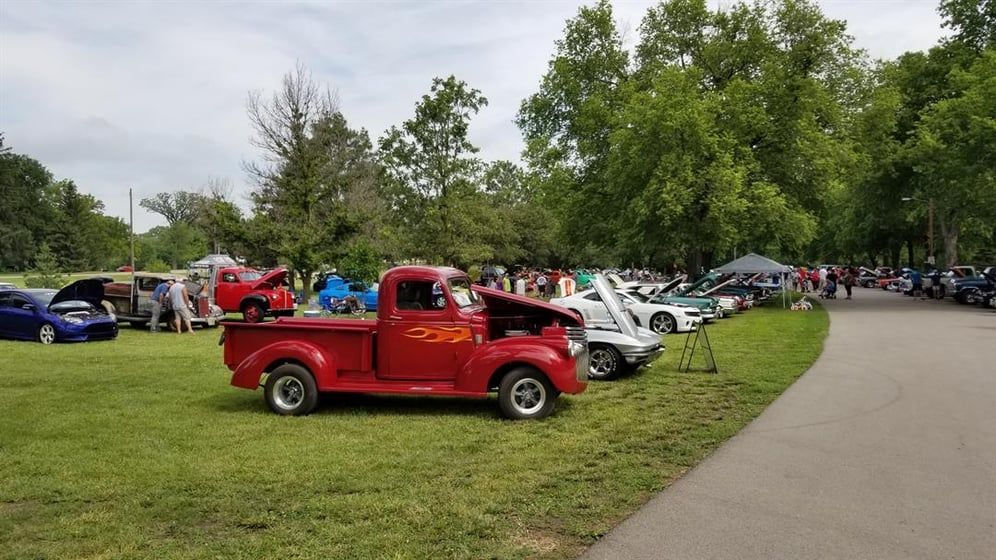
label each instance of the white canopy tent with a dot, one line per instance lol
(752, 263)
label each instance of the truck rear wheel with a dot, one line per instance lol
(291, 391)
(525, 393)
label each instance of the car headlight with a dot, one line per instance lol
(73, 320)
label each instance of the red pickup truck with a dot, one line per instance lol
(237, 289)
(435, 334)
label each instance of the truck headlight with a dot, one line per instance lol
(574, 348)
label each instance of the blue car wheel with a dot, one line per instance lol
(46, 333)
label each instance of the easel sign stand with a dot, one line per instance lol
(700, 341)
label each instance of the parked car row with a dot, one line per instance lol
(963, 284)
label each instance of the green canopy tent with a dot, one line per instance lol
(753, 263)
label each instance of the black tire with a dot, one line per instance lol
(663, 323)
(525, 394)
(46, 334)
(253, 312)
(290, 390)
(605, 362)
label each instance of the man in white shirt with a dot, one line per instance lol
(541, 285)
(823, 278)
(520, 286)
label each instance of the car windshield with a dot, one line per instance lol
(637, 296)
(44, 298)
(463, 296)
(250, 275)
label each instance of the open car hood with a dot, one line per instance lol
(503, 300)
(90, 290)
(672, 284)
(611, 300)
(705, 282)
(271, 279)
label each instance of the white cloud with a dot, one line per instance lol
(152, 95)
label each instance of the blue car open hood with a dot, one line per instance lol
(90, 290)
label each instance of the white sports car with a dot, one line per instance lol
(658, 317)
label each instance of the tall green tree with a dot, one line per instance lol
(433, 176)
(25, 212)
(312, 161)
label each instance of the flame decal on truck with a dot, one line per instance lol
(439, 334)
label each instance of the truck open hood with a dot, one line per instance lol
(504, 300)
(271, 279)
(90, 290)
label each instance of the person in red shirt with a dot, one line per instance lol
(814, 278)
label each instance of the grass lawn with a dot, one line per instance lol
(139, 448)
(17, 278)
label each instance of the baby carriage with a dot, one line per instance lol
(829, 291)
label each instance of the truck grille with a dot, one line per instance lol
(577, 334)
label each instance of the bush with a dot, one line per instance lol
(157, 265)
(46, 272)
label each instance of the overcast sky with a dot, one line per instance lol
(152, 95)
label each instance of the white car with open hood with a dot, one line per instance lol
(659, 317)
(615, 342)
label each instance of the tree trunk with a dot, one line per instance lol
(895, 253)
(950, 233)
(306, 280)
(909, 253)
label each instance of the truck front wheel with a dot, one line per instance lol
(291, 391)
(525, 393)
(252, 312)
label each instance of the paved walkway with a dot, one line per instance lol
(885, 448)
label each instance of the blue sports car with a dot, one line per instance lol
(338, 288)
(73, 313)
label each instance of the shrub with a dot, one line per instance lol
(46, 272)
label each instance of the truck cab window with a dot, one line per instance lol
(420, 295)
(229, 277)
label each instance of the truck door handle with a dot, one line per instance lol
(394, 318)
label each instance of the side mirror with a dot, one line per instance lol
(28, 307)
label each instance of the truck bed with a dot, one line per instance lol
(354, 335)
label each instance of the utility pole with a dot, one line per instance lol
(131, 230)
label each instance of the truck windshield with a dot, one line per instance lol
(463, 296)
(250, 275)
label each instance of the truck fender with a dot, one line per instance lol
(508, 352)
(319, 362)
(255, 298)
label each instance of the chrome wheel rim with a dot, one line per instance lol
(528, 396)
(288, 393)
(662, 324)
(601, 363)
(47, 334)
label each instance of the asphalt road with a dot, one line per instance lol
(885, 448)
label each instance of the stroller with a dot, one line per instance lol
(829, 291)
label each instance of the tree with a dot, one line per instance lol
(312, 164)
(46, 272)
(955, 152)
(433, 177)
(26, 211)
(176, 207)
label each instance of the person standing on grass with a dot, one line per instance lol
(541, 285)
(180, 300)
(158, 299)
(520, 285)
